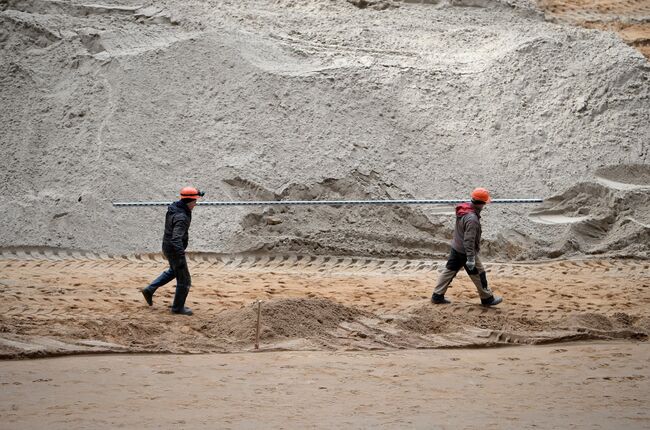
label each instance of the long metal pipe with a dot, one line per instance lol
(330, 202)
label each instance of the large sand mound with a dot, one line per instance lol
(111, 102)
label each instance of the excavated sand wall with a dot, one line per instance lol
(302, 99)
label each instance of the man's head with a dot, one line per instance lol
(189, 195)
(480, 197)
(191, 203)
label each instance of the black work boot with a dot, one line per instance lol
(439, 299)
(184, 311)
(148, 296)
(178, 307)
(491, 301)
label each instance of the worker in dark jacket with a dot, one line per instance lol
(177, 225)
(465, 247)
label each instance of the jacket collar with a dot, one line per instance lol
(467, 208)
(182, 205)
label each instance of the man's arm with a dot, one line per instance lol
(469, 239)
(178, 232)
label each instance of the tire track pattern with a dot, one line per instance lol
(284, 262)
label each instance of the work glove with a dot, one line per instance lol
(471, 263)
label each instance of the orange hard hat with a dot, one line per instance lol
(191, 193)
(481, 194)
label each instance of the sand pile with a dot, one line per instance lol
(442, 320)
(450, 319)
(297, 324)
(232, 329)
(606, 216)
(124, 101)
(284, 318)
(378, 230)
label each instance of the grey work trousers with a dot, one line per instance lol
(457, 261)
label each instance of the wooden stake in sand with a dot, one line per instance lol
(257, 332)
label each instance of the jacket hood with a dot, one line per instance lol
(466, 208)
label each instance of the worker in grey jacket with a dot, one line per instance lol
(465, 247)
(175, 239)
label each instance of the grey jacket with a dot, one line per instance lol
(467, 234)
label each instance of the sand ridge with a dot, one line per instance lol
(64, 303)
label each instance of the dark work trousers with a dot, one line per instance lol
(177, 270)
(457, 261)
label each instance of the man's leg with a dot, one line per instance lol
(444, 280)
(183, 284)
(454, 263)
(479, 277)
(161, 280)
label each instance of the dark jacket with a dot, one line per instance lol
(467, 235)
(177, 225)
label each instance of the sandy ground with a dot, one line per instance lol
(61, 303)
(301, 99)
(585, 385)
